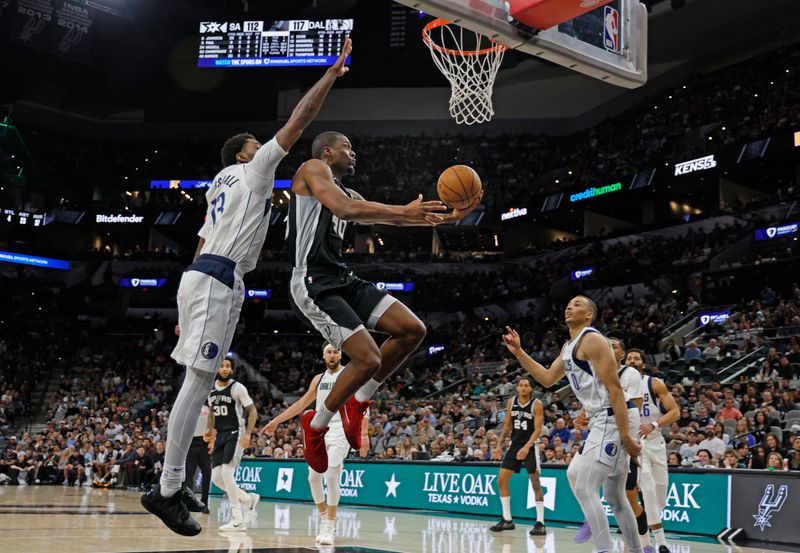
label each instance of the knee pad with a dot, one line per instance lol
(332, 477)
(315, 484)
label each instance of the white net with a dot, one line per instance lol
(470, 62)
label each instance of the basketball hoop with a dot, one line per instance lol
(470, 62)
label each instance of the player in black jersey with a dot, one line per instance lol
(329, 297)
(524, 417)
(227, 439)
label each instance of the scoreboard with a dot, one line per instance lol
(290, 43)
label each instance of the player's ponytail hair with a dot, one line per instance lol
(233, 146)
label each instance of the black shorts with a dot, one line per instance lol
(226, 448)
(335, 303)
(633, 476)
(532, 461)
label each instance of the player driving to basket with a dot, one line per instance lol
(330, 298)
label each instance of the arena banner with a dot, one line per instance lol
(697, 503)
(766, 506)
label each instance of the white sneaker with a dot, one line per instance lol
(235, 525)
(252, 507)
(326, 532)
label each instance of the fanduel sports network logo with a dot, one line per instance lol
(699, 164)
(248, 478)
(770, 503)
(548, 490)
(118, 218)
(284, 480)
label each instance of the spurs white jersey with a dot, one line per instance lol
(323, 389)
(651, 404)
(582, 377)
(239, 202)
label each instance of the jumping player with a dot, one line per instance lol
(227, 438)
(331, 299)
(211, 291)
(336, 444)
(588, 363)
(659, 409)
(524, 416)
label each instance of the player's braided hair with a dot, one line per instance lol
(233, 146)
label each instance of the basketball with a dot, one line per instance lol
(458, 186)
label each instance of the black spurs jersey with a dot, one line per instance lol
(521, 421)
(228, 405)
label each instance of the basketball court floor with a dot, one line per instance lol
(83, 520)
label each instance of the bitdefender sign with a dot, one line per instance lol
(114, 219)
(699, 164)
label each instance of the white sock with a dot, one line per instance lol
(540, 511)
(366, 391)
(322, 418)
(506, 503)
(645, 539)
(659, 536)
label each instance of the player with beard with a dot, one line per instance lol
(588, 364)
(659, 409)
(327, 295)
(336, 443)
(227, 438)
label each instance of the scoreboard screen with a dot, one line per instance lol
(292, 43)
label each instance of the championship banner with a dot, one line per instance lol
(766, 506)
(696, 502)
(62, 27)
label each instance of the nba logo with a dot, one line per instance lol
(611, 29)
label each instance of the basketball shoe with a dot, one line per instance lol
(352, 413)
(171, 510)
(314, 443)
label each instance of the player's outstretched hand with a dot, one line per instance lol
(631, 446)
(421, 212)
(458, 214)
(270, 428)
(512, 341)
(581, 420)
(339, 67)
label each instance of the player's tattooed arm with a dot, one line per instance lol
(295, 408)
(506, 427)
(252, 416)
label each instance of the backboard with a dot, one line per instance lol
(608, 43)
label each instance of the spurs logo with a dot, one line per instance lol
(771, 503)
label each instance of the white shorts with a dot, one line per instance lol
(654, 459)
(210, 298)
(603, 443)
(337, 446)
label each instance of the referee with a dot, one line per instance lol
(198, 456)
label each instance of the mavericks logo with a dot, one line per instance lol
(770, 504)
(456, 488)
(209, 350)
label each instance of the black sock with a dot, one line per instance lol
(641, 522)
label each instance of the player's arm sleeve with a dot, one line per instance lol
(240, 394)
(263, 165)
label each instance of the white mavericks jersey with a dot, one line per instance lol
(592, 394)
(631, 381)
(323, 389)
(239, 203)
(651, 404)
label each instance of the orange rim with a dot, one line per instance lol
(426, 38)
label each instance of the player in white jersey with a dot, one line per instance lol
(211, 291)
(588, 363)
(335, 442)
(631, 382)
(228, 435)
(659, 409)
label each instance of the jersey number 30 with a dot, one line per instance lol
(217, 206)
(220, 410)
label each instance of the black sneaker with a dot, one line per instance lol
(190, 500)
(663, 549)
(538, 529)
(171, 510)
(503, 525)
